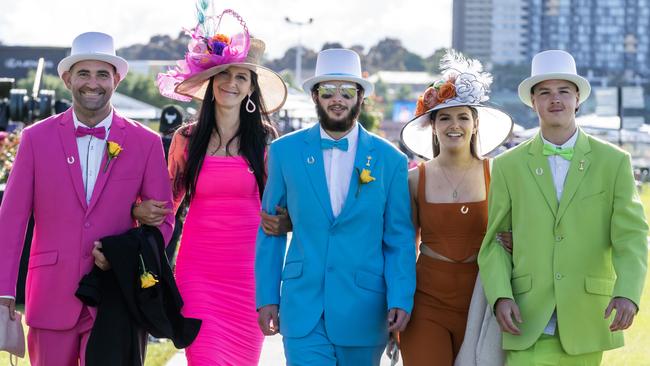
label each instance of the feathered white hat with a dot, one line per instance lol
(463, 83)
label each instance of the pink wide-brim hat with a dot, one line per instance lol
(272, 87)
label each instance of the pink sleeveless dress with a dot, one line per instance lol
(215, 265)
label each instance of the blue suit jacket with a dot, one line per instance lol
(351, 268)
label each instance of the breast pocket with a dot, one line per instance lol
(127, 177)
(593, 199)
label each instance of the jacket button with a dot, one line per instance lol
(558, 276)
(558, 238)
(86, 224)
(330, 269)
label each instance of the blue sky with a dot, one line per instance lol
(422, 25)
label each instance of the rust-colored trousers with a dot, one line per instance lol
(437, 327)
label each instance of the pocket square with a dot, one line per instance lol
(12, 337)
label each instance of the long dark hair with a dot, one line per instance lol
(473, 142)
(255, 132)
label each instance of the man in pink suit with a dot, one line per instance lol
(79, 174)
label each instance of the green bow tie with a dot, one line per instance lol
(566, 153)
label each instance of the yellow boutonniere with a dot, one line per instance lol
(364, 178)
(147, 279)
(113, 149)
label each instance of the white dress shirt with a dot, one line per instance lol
(559, 169)
(339, 167)
(91, 153)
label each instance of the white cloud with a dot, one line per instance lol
(422, 26)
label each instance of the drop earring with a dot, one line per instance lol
(250, 105)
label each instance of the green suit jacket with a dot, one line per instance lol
(573, 255)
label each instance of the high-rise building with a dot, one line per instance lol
(607, 37)
(472, 28)
(508, 42)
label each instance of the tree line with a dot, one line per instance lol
(387, 54)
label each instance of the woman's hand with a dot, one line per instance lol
(505, 239)
(150, 212)
(279, 224)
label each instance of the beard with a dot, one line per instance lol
(338, 125)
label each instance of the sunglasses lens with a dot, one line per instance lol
(348, 92)
(326, 92)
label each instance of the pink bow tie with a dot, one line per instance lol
(97, 132)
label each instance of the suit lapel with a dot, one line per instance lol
(312, 159)
(117, 134)
(577, 171)
(69, 143)
(363, 160)
(541, 172)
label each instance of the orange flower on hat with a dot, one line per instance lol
(419, 106)
(221, 38)
(446, 91)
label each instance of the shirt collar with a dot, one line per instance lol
(106, 122)
(571, 142)
(352, 135)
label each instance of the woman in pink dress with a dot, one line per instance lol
(217, 165)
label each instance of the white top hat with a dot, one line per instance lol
(338, 64)
(553, 65)
(94, 46)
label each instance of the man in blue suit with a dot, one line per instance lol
(349, 274)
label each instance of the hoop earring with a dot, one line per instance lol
(250, 105)
(435, 139)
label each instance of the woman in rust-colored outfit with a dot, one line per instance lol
(449, 200)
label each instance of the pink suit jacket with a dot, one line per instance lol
(46, 181)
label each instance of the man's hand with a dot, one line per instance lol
(151, 212)
(11, 304)
(279, 224)
(625, 312)
(268, 320)
(505, 239)
(506, 309)
(397, 319)
(100, 260)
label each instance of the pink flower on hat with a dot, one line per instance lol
(205, 52)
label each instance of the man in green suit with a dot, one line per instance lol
(574, 278)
